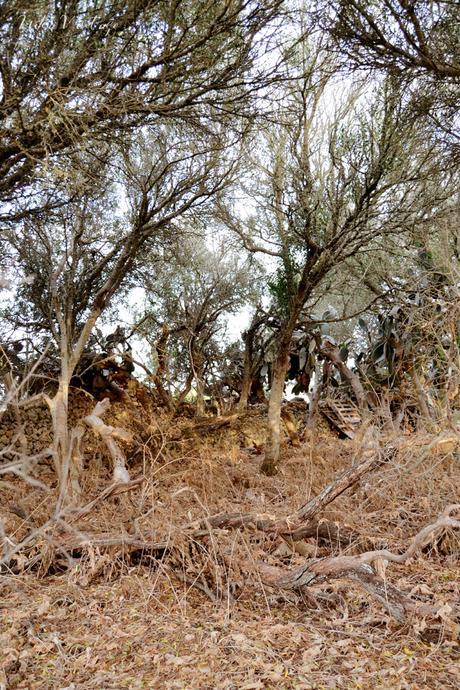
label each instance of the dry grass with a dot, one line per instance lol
(199, 616)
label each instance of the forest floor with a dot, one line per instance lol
(109, 617)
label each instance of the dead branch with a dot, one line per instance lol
(111, 490)
(373, 457)
(320, 529)
(108, 435)
(355, 568)
(359, 568)
(75, 540)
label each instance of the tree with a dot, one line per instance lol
(187, 299)
(417, 41)
(76, 76)
(329, 187)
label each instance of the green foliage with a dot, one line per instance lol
(279, 289)
(283, 283)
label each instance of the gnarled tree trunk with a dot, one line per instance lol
(66, 442)
(280, 368)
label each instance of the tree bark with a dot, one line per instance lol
(161, 348)
(273, 441)
(200, 404)
(66, 445)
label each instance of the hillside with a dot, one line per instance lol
(142, 588)
(229, 344)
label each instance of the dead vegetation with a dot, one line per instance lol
(200, 572)
(173, 173)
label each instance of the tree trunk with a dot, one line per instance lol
(421, 397)
(183, 394)
(197, 361)
(247, 373)
(248, 338)
(273, 441)
(161, 349)
(66, 445)
(333, 354)
(315, 396)
(200, 404)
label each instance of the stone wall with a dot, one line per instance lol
(32, 422)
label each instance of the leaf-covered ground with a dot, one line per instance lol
(199, 616)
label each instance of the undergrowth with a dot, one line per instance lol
(195, 612)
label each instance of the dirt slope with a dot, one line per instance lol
(199, 616)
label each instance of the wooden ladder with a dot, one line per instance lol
(344, 415)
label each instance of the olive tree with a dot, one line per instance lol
(187, 301)
(417, 41)
(77, 75)
(333, 182)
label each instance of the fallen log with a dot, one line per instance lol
(366, 569)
